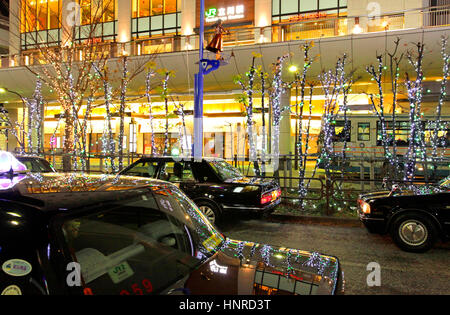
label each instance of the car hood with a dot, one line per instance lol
(247, 268)
(375, 195)
(422, 191)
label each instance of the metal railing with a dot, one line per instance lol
(281, 32)
(340, 190)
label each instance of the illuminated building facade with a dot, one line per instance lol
(169, 28)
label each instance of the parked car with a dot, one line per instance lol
(414, 219)
(80, 234)
(35, 164)
(213, 184)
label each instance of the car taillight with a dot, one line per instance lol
(266, 198)
(270, 196)
(278, 192)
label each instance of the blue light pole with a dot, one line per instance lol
(198, 93)
(205, 66)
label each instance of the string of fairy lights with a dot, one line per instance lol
(277, 89)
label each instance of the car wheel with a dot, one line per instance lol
(209, 210)
(413, 233)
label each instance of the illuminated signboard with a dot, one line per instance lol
(310, 16)
(225, 13)
(240, 12)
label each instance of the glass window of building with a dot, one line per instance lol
(40, 15)
(282, 9)
(155, 18)
(363, 131)
(99, 11)
(39, 22)
(144, 8)
(98, 20)
(306, 19)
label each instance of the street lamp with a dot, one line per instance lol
(205, 66)
(198, 93)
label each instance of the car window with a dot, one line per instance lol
(37, 165)
(203, 172)
(225, 170)
(144, 169)
(177, 172)
(141, 246)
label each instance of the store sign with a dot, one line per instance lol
(310, 16)
(235, 12)
(231, 12)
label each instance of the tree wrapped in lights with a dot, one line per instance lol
(379, 107)
(83, 132)
(68, 69)
(276, 90)
(108, 145)
(248, 88)
(16, 128)
(391, 166)
(128, 73)
(333, 84)
(23, 132)
(300, 85)
(164, 93)
(148, 75)
(180, 110)
(439, 125)
(416, 147)
(263, 77)
(36, 117)
(394, 66)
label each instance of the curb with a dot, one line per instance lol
(348, 222)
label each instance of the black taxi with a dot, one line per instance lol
(213, 184)
(415, 216)
(75, 234)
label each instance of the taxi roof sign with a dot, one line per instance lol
(9, 164)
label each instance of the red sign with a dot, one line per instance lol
(310, 16)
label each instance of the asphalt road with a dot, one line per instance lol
(401, 272)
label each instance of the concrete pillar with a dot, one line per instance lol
(14, 27)
(263, 20)
(69, 16)
(124, 24)
(188, 23)
(415, 19)
(285, 124)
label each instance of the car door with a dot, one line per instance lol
(180, 174)
(444, 212)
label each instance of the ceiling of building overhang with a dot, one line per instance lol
(361, 51)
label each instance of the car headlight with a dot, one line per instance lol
(364, 206)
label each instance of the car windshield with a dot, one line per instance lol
(143, 245)
(225, 170)
(35, 165)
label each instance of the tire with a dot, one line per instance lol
(211, 212)
(413, 232)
